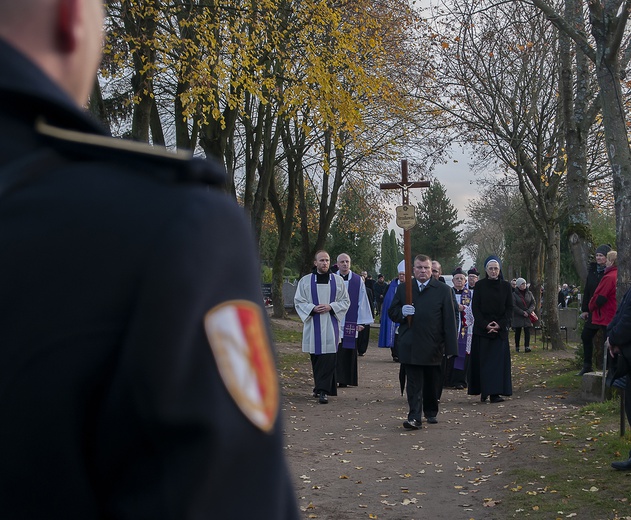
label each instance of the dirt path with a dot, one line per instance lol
(352, 459)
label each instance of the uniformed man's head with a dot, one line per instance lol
(322, 262)
(62, 37)
(344, 264)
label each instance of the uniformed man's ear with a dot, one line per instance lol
(67, 24)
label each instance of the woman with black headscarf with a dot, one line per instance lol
(492, 308)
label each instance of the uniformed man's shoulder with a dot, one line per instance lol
(156, 162)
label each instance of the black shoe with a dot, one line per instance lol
(625, 465)
(527, 349)
(322, 398)
(584, 370)
(459, 387)
(395, 359)
(432, 420)
(483, 398)
(342, 385)
(516, 349)
(497, 399)
(412, 424)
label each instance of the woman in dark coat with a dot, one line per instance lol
(492, 308)
(523, 305)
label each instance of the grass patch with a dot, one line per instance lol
(570, 475)
(283, 335)
(545, 369)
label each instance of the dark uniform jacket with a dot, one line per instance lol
(116, 266)
(592, 281)
(433, 333)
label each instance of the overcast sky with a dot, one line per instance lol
(460, 185)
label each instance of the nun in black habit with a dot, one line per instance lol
(492, 308)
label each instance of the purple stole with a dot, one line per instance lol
(465, 299)
(350, 323)
(316, 317)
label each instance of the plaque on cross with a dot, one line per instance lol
(406, 219)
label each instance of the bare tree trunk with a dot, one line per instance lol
(578, 119)
(285, 222)
(157, 135)
(96, 106)
(608, 23)
(617, 145)
(550, 310)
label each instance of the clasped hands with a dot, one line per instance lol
(322, 308)
(493, 327)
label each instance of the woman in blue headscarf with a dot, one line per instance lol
(492, 308)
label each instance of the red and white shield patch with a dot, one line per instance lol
(238, 339)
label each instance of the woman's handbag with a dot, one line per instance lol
(532, 316)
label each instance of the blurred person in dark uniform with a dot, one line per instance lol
(136, 383)
(594, 274)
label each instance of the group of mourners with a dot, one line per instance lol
(447, 337)
(444, 337)
(601, 312)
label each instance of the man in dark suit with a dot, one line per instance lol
(135, 382)
(424, 343)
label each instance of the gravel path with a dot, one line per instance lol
(352, 459)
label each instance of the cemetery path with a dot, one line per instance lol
(352, 459)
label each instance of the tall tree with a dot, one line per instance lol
(608, 20)
(436, 233)
(503, 80)
(353, 229)
(386, 268)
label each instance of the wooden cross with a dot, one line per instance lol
(405, 186)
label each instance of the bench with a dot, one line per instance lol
(545, 337)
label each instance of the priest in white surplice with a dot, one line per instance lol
(358, 315)
(321, 301)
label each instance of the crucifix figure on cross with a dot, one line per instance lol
(406, 219)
